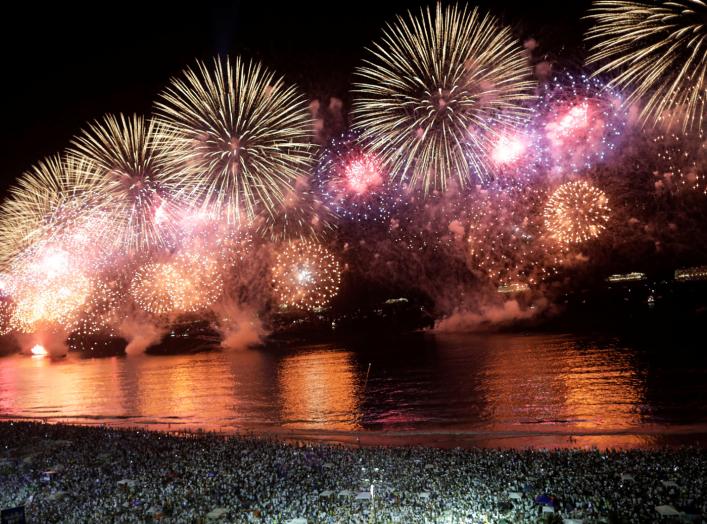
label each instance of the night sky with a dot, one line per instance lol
(66, 65)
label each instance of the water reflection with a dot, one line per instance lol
(187, 391)
(555, 381)
(319, 389)
(521, 384)
(602, 387)
(47, 388)
(457, 385)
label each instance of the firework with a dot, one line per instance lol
(305, 276)
(96, 314)
(94, 327)
(683, 161)
(188, 283)
(54, 302)
(302, 215)
(361, 175)
(233, 250)
(200, 283)
(658, 51)
(230, 248)
(50, 202)
(506, 241)
(150, 288)
(576, 212)
(50, 281)
(508, 149)
(137, 194)
(238, 134)
(6, 313)
(435, 90)
(353, 183)
(580, 122)
(425, 223)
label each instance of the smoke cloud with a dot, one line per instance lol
(489, 316)
(140, 334)
(238, 327)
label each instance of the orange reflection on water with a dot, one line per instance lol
(562, 387)
(58, 389)
(193, 393)
(519, 383)
(603, 390)
(320, 390)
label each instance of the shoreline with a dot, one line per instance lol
(648, 439)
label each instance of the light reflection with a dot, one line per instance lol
(177, 393)
(518, 384)
(543, 391)
(54, 389)
(602, 391)
(320, 390)
(563, 388)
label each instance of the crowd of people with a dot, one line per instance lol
(63, 473)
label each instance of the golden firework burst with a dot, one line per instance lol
(657, 50)
(434, 92)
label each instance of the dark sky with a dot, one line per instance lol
(63, 66)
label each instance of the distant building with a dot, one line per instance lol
(626, 277)
(691, 273)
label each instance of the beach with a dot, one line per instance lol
(63, 473)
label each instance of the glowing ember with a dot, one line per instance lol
(39, 350)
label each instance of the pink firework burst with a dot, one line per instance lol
(580, 122)
(361, 174)
(509, 149)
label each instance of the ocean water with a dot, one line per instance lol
(467, 390)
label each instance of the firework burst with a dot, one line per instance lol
(435, 90)
(56, 302)
(353, 183)
(238, 134)
(658, 51)
(302, 215)
(517, 158)
(576, 212)
(7, 308)
(580, 122)
(50, 203)
(305, 276)
(137, 194)
(506, 241)
(96, 315)
(188, 283)
(509, 149)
